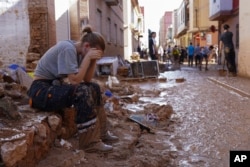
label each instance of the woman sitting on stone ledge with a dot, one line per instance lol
(75, 61)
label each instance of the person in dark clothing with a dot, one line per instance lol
(226, 43)
(183, 55)
(140, 51)
(190, 50)
(152, 46)
(197, 52)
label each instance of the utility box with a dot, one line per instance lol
(107, 66)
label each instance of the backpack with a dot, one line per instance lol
(175, 52)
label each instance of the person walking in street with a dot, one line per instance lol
(190, 51)
(176, 57)
(152, 46)
(160, 53)
(76, 62)
(226, 43)
(197, 54)
(204, 55)
(183, 55)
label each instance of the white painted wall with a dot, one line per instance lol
(127, 31)
(219, 5)
(181, 17)
(62, 20)
(14, 31)
(244, 52)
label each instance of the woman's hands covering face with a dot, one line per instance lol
(94, 54)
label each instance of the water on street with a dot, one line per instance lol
(208, 121)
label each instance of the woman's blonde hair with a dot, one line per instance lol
(93, 38)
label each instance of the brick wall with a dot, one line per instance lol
(74, 20)
(42, 27)
(51, 22)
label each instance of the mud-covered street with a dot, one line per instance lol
(208, 121)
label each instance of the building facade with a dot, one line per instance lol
(182, 24)
(174, 25)
(165, 29)
(191, 24)
(133, 27)
(104, 16)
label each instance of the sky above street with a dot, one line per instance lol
(154, 10)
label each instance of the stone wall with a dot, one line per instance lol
(14, 32)
(42, 28)
(32, 139)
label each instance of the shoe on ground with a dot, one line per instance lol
(109, 137)
(99, 147)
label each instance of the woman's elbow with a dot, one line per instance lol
(74, 80)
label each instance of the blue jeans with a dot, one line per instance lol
(190, 60)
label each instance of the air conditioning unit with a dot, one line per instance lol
(112, 2)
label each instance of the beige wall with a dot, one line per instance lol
(203, 15)
(14, 32)
(244, 51)
(199, 22)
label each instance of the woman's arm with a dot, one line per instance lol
(90, 71)
(78, 77)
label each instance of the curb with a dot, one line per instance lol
(240, 92)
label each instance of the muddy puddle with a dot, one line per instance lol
(209, 120)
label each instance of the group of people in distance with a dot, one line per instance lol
(199, 53)
(177, 54)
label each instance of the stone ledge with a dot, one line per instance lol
(25, 142)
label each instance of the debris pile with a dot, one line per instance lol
(28, 135)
